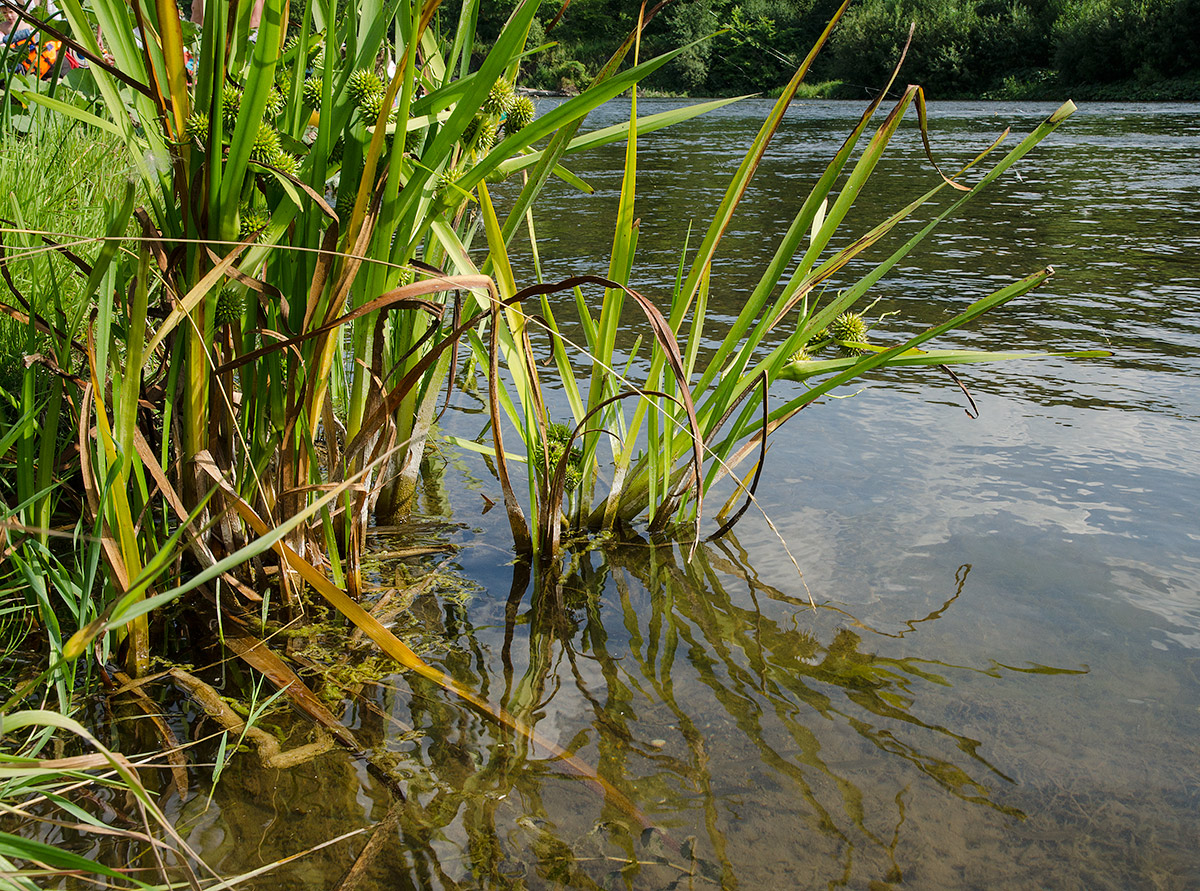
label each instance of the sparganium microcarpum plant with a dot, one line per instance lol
(300, 273)
(303, 234)
(690, 421)
(294, 278)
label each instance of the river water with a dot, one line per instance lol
(999, 686)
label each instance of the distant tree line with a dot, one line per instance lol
(968, 47)
(960, 47)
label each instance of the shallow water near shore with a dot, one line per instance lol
(999, 685)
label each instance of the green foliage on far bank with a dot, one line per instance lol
(1025, 48)
(1128, 49)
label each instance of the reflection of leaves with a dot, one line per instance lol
(675, 670)
(556, 860)
(754, 665)
(1033, 668)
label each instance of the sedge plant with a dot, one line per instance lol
(695, 415)
(288, 312)
(261, 359)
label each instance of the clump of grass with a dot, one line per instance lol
(56, 179)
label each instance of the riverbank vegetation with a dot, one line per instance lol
(1027, 49)
(271, 305)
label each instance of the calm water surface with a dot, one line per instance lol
(1000, 687)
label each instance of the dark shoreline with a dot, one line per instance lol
(1048, 90)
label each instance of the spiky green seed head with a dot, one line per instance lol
(363, 82)
(445, 181)
(801, 355)
(250, 220)
(408, 275)
(572, 478)
(552, 450)
(520, 116)
(276, 103)
(413, 140)
(445, 191)
(231, 103)
(485, 138)
(229, 307)
(849, 327)
(499, 98)
(286, 163)
(337, 150)
(370, 106)
(311, 94)
(559, 433)
(471, 131)
(266, 144)
(196, 126)
(345, 206)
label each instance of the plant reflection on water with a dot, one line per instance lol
(749, 734)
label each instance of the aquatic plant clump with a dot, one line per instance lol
(225, 417)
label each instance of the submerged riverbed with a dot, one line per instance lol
(998, 687)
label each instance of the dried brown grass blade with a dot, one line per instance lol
(762, 460)
(522, 538)
(199, 547)
(325, 260)
(924, 127)
(256, 654)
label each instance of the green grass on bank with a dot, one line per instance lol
(54, 179)
(1047, 85)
